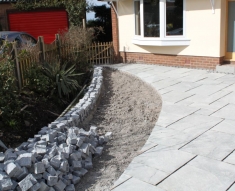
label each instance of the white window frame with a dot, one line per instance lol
(163, 40)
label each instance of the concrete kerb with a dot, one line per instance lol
(60, 154)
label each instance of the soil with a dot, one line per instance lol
(128, 108)
(38, 114)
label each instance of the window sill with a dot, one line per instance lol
(161, 42)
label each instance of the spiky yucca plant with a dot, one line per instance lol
(64, 78)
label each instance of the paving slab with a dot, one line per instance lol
(145, 173)
(212, 144)
(192, 146)
(175, 74)
(196, 72)
(185, 102)
(134, 184)
(163, 91)
(209, 99)
(122, 178)
(227, 79)
(208, 81)
(209, 109)
(232, 188)
(195, 124)
(151, 79)
(215, 76)
(164, 83)
(176, 96)
(226, 126)
(141, 69)
(183, 86)
(172, 137)
(230, 87)
(229, 98)
(193, 78)
(131, 67)
(201, 174)
(182, 71)
(171, 113)
(227, 112)
(148, 145)
(207, 89)
(162, 158)
(163, 69)
(230, 158)
(144, 74)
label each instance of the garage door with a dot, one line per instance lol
(39, 23)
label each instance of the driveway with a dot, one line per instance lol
(191, 147)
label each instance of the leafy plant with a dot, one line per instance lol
(63, 78)
(9, 96)
(76, 8)
(37, 81)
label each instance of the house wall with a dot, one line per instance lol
(3, 15)
(203, 28)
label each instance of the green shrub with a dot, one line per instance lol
(37, 81)
(10, 103)
(63, 79)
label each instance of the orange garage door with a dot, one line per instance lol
(39, 23)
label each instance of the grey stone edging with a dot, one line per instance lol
(60, 154)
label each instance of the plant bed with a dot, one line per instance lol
(35, 89)
(59, 154)
(129, 108)
(37, 114)
(37, 111)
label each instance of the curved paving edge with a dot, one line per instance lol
(60, 154)
(192, 144)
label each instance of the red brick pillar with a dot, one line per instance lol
(115, 34)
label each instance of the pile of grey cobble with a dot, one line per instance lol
(60, 154)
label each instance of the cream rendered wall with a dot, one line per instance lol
(202, 27)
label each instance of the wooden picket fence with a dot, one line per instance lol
(97, 53)
(100, 53)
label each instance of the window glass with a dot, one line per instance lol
(174, 17)
(151, 18)
(28, 40)
(18, 44)
(137, 17)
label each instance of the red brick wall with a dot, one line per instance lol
(115, 34)
(3, 15)
(171, 60)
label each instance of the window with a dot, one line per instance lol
(151, 18)
(174, 17)
(159, 22)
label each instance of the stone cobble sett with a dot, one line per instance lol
(60, 154)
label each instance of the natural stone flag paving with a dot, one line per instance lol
(192, 146)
